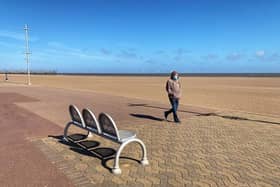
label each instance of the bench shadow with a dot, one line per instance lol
(105, 154)
(106, 160)
(205, 114)
(144, 116)
(91, 148)
(60, 140)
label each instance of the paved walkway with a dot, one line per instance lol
(22, 164)
(210, 148)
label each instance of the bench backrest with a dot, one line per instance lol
(108, 127)
(90, 121)
(76, 116)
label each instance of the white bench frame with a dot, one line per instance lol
(116, 168)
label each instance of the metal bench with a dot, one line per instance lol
(106, 128)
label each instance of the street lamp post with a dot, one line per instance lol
(27, 53)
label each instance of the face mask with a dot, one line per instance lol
(176, 77)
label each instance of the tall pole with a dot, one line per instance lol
(27, 53)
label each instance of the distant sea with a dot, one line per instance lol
(159, 74)
(181, 74)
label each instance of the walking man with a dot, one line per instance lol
(173, 88)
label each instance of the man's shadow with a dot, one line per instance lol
(195, 113)
(144, 116)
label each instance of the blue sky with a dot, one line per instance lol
(138, 36)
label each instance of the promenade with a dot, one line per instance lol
(209, 148)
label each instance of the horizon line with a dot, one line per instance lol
(148, 74)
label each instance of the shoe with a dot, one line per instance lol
(165, 115)
(178, 121)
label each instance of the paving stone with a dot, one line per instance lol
(208, 151)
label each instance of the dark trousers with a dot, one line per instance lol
(174, 104)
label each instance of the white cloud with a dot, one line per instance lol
(260, 53)
(62, 47)
(64, 52)
(126, 54)
(11, 45)
(181, 51)
(235, 56)
(16, 35)
(210, 57)
(105, 51)
(13, 35)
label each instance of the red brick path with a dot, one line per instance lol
(22, 164)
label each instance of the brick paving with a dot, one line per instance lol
(222, 148)
(204, 151)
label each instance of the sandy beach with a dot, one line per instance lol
(249, 94)
(236, 145)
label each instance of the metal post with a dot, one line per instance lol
(27, 53)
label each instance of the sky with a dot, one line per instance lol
(139, 36)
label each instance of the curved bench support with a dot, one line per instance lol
(144, 161)
(65, 131)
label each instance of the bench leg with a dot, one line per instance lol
(65, 131)
(89, 134)
(144, 161)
